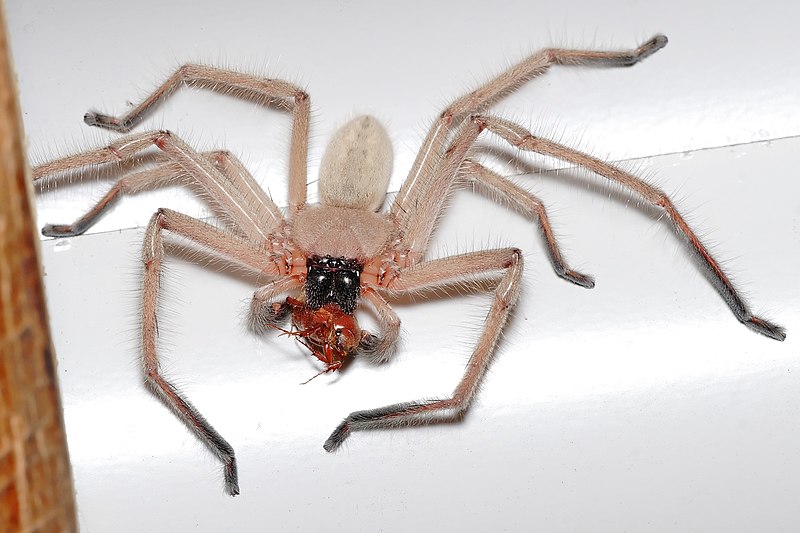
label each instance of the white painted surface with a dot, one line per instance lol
(639, 405)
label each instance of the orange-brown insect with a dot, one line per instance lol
(330, 333)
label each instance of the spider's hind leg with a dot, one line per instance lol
(521, 138)
(478, 175)
(231, 191)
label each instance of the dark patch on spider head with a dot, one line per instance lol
(333, 280)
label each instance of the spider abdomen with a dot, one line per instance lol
(356, 166)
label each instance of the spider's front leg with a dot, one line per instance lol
(434, 274)
(418, 184)
(263, 91)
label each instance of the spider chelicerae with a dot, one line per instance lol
(325, 260)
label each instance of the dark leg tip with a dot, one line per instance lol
(265, 317)
(587, 282)
(658, 42)
(337, 437)
(648, 48)
(375, 348)
(90, 118)
(93, 118)
(765, 327)
(231, 478)
(61, 230)
(369, 342)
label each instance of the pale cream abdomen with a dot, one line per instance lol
(356, 166)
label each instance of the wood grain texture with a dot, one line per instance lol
(36, 493)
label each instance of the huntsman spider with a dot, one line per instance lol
(325, 260)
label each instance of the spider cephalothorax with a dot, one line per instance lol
(311, 250)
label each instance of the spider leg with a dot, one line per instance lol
(417, 186)
(435, 274)
(166, 174)
(269, 214)
(263, 91)
(379, 348)
(231, 246)
(254, 256)
(477, 174)
(231, 191)
(524, 140)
